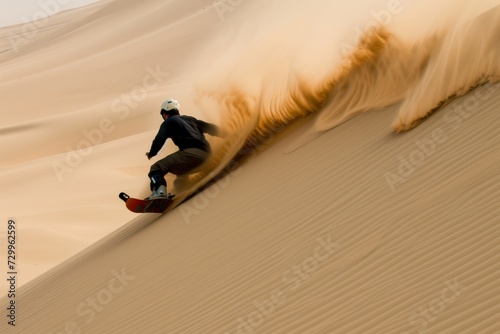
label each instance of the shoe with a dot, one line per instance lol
(153, 195)
(160, 192)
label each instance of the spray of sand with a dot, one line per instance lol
(286, 79)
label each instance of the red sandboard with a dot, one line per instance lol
(157, 205)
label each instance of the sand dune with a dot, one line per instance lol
(322, 218)
(361, 258)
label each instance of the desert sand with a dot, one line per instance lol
(356, 190)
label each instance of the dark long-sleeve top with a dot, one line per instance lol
(185, 132)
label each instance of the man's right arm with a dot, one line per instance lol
(158, 142)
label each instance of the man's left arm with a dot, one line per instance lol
(210, 128)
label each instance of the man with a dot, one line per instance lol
(187, 133)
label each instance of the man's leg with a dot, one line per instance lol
(188, 160)
(156, 178)
(178, 163)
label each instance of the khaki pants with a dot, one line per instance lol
(178, 163)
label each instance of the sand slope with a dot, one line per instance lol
(332, 223)
(353, 257)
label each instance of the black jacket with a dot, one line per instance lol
(185, 132)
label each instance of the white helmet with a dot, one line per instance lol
(170, 104)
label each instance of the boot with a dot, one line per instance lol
(160, 192)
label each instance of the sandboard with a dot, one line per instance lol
(156, 205)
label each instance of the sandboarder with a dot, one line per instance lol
(187, 133)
